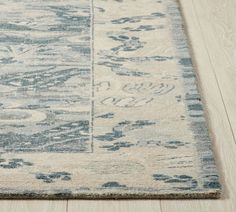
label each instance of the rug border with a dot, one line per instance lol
(119, 194)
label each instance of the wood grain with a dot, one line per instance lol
(218, 25)
(114, 206)
(32, 205)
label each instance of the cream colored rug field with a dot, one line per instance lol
(99, 99)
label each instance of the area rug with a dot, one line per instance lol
(99, 100)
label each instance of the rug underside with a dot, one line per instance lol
(99, 100)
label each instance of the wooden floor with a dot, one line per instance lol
(212, 31)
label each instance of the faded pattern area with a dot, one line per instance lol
(99, 100)
(45, 76)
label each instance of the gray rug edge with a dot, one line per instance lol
(110, 194)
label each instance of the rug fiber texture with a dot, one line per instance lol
(99, 99)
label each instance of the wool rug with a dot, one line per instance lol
(99, 100)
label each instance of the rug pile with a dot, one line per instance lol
(99, 100)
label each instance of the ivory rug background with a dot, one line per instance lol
(99, 100)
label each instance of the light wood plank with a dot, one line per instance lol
(114, 206)
(33, 206)
(217, 23)
(225, 147)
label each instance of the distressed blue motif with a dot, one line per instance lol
(13, 163)
(180, 182)
(106, 91)
(36, 71)
(112, 185)
(52, 177)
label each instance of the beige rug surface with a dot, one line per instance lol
(99, 99)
